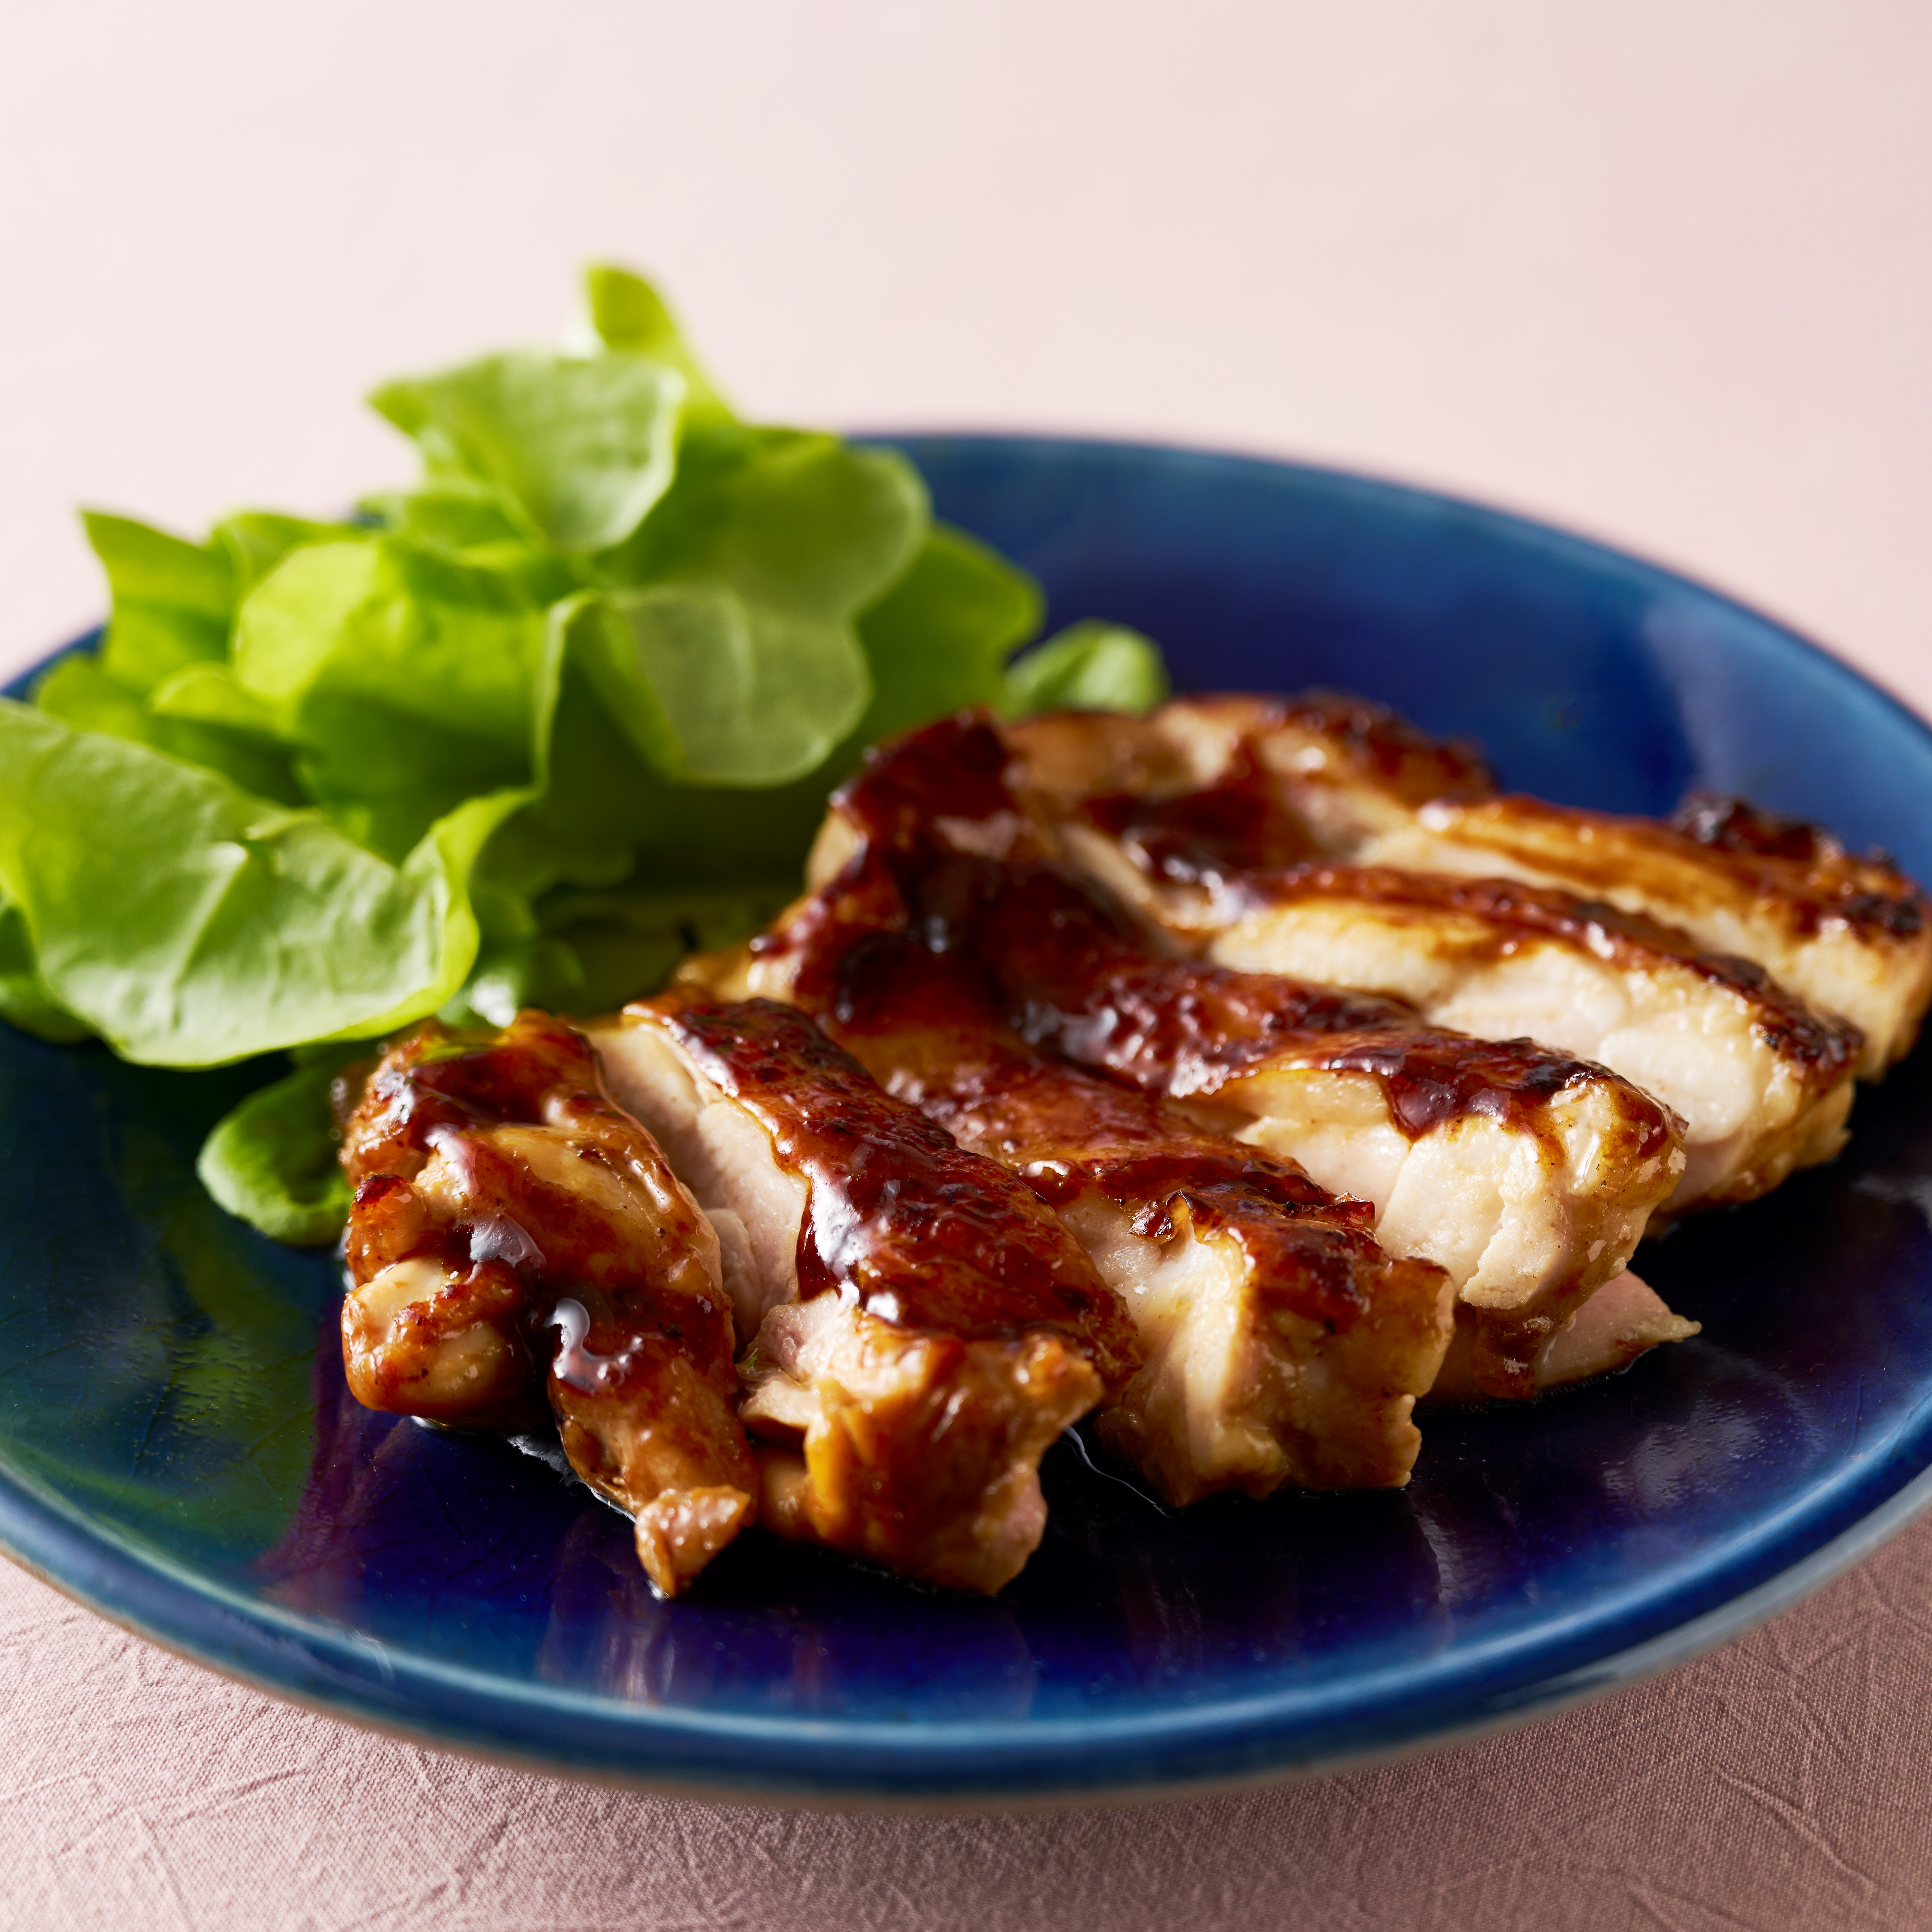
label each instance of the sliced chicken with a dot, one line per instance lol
(1762, 1081)
(920, 1328)
(1760, 1078)
(516, 1239)
(1247, 784)
(1528, 1174)
(1624, 1319)
(1281, 1345)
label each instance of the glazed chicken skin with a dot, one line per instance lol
(1529, 1175)
(1274, 784)
(1280, 1344)
(1762, 1082)
(1761, 1079)
(919, 1326)
(516, 1243)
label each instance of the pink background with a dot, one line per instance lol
(1657, 271)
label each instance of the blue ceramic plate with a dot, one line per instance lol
(177, 1449)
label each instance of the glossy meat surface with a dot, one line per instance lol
(1348, 781)
(1760, 1076)
(516, 1241)
(1762, 1081)
(1527, 1174)
(920, 1326)
(1280, 1343)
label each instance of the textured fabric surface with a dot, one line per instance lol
(1778, 1784)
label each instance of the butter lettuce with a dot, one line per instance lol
(78, 689)
(938, 639)
(171, 600)
(576, 448)
(188, 923)
(1089, 666)
(272, 1161)
(404, 681)
(730, 654)
(525, 731)
(626, 312)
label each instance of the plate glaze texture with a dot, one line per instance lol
(177, 1448)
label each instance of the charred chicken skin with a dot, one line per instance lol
(1529, 1174)
(1281, 1343)
(1247, 785)
(518, 1242)
(919, 1326)
(1231, 871)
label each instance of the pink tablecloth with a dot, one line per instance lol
(1779, 1784)
(1658, 270)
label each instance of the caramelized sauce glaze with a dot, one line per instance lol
(1770, 850)
(1082, 985)
(1241, 822)
(1075, 980)
(924, 1234)
(929, 1024)
(1516, 911)
(1199, 837)
(1383, 744)
(434, 1093)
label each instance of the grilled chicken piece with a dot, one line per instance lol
(1527, 1174)
(1760, 1078)
(1762, 1081)
(1281, 1345)
(921, 1328)
(514, 1236)
(1624, 1319)
(1281, 784)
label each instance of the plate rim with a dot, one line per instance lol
(1189, 1749)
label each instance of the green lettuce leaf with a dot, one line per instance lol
(237, 926)
(938, 639)
(78, 689)
(789, 517)
(466, 525)
(272, 1162)
(627, 941)
(590, 951)
(727, 649)
(256, 541)
(407, 682)
(577, 449)
(690, 707)
(173, 600)
(24, 997)
(626, 312)
(208, 694)
(1091, 666)
(716, 689)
